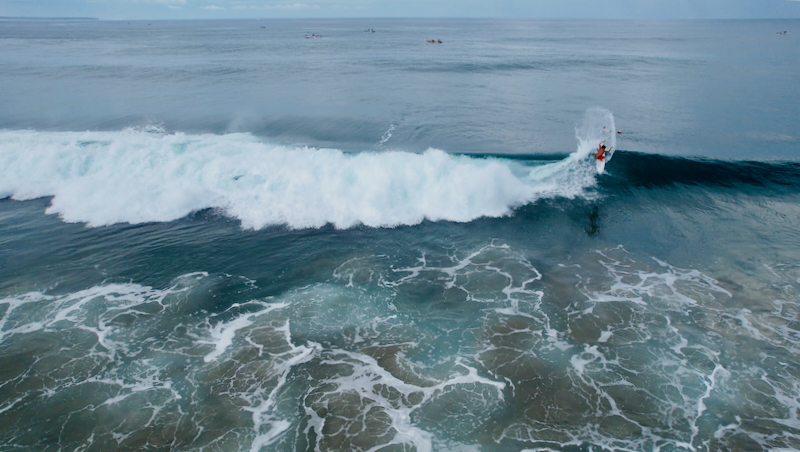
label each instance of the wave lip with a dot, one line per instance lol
(138, 176)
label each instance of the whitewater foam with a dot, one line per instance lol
(137, 176)
(643, 355)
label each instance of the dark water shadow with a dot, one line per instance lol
(593, 229)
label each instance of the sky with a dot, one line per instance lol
(533, 9)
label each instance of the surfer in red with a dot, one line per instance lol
(601, 151)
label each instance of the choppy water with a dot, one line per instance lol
(287, 252)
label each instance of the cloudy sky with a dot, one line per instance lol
(544, 9)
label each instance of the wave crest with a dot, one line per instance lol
(137, 176)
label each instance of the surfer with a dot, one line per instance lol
(601, 151)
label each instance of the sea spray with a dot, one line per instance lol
(597, 127)
(138, 176)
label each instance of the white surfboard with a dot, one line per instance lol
(601, 164)
(608, 136)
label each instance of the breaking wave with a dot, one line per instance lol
(145, 175)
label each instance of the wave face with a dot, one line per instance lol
(638, 170)
(146, 175)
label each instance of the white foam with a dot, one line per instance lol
(136, 176)
(14, 303)
(663, 307)
(262, 408)
(368, 377)
(11, 404)
(79, 309)
(637, 286)
(222, 333)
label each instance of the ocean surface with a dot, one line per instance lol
(298, 235)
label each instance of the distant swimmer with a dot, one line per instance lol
(601, 151)
(619, 131)
(606, 130)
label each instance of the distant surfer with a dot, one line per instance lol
(601, 151)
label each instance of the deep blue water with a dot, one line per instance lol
(218, 236)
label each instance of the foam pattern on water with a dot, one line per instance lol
(659, 362)
(145, 175)
(437, 350)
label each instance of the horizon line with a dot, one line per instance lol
(35, 18)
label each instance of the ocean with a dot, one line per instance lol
(283, 235)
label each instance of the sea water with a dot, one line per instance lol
(218, 236)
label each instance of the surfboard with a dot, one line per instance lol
(601, 164)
